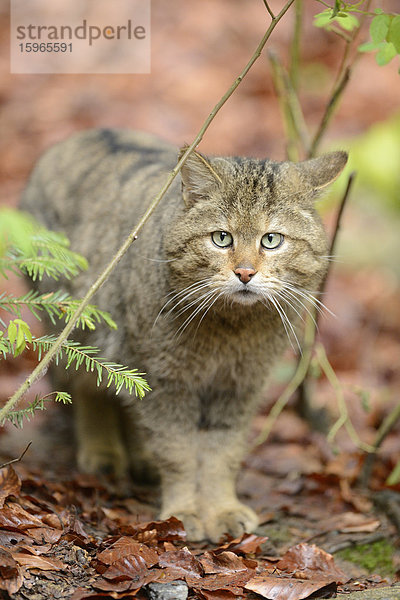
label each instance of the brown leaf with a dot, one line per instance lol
(310, 562)
(10, 575)
(217, 595)
(248, 543)
(44, 563)
(128, 568)
(10, 484)
(350, 522)
(232, 582)
(126, 546)
(13, 516)
(168, 530)
(286, 588)
(183, 562)
(224, 562)
(45, 535)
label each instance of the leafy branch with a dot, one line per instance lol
(118, 375)
(57, 305)
(41, 368)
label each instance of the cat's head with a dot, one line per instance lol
(249, 231)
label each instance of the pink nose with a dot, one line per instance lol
(244, 274)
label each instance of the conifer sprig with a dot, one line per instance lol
(78, 355)
(57, 305)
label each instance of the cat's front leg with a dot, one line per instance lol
(168, 422)
(221, 510)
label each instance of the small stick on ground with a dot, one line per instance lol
(15, 460)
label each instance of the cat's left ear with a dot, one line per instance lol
(322, 171)
(198, 177)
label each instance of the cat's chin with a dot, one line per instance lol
(245, 297)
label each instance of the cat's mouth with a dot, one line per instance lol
(245, 296)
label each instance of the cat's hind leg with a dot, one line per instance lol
(101, 449)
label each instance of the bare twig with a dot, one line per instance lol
(303, 364)
(386, 427)
(295, 47)
(344, 419)
(329, 111)
(15, 460)
(267, 6)
(341, 81)
(296, 128)
(41, 368)
(336, 229)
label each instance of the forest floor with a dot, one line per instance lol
(66, 535)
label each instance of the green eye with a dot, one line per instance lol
(222, 239)
(270, 241)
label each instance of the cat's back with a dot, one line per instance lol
(96, 176)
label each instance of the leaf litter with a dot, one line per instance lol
(54, 542)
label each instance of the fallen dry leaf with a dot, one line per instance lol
(351, 522)
(164, 531)
(11, 577)
(310, 562)
(30, 561)
(126, 546)
(232, 582)
(183, 562)
(10, 484)
(13, 516)
(248, 543)
(285, 588)
(216, 595)
(224, 562)
(128, 568)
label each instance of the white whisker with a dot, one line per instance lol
(187, 321)
(186, 292)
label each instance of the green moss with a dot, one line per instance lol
(376, 558)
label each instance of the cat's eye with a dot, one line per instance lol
(271, 241)
(222, 239)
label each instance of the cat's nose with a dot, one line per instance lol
(245, 273)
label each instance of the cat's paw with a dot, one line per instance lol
(194, 526)
(100, 460)
(234, 519)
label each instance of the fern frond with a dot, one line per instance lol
(57, 305)
(118, 375)
(17, 417)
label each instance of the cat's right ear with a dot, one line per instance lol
(198, 177)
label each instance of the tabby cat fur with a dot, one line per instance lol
(205, 301)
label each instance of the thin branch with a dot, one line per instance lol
(329, 111)
(15, 460)
(344, 419)
(295, 47)
(336, 229)
(267, 6)
(42, 367)
(386, 427)
(297, 131)
(303, 365)
(341, 81)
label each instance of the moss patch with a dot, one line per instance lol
(376, 558)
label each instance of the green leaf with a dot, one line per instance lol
(12, 332)
(324, 18)
(385, 54)
(379, 28)
(348, 22)
(369, 47)
(20, 342)
(394, 33)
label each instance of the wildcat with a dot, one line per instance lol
(205, 301)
